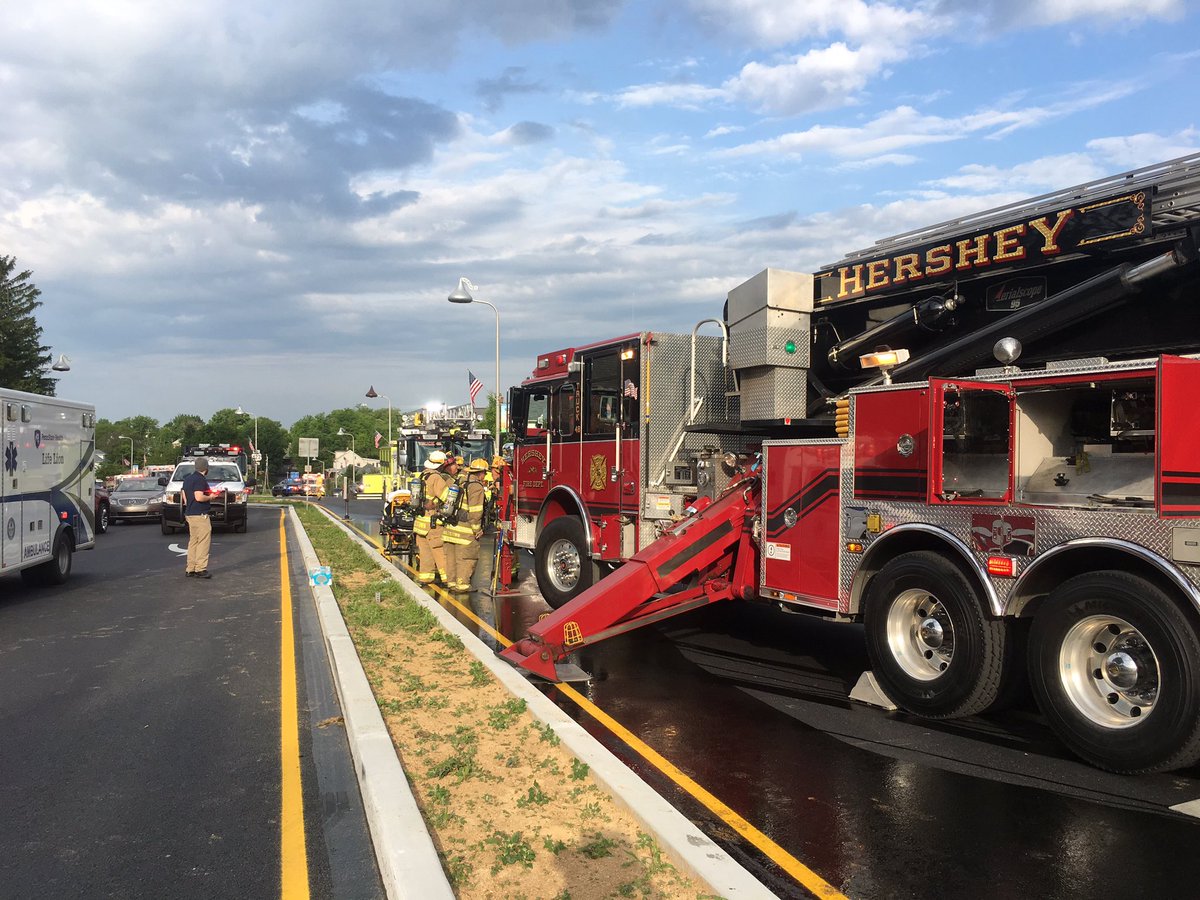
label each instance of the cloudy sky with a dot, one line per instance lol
(265, 204)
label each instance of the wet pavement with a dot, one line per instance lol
(752, 703)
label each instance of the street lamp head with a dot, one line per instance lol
(63, 364)
(371, 392)
(462, 294)
(343, 432)
(240, 412)
(124, 437)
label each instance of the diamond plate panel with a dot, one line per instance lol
(526, 531)
(666, 369)
(749, 347)
(774, 393)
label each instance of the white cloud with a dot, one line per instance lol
(722, 130)
(819, 79)
(847, 45)
(878, 140)
(1088, 12)
(309, 181)
(685, 96)
(777, 23)
(1101, 158)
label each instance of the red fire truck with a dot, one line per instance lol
(1037, 517)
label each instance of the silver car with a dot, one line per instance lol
(136, 498)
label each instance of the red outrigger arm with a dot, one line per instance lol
(706, 557)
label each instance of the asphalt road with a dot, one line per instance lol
(140, 751)
(752, 703)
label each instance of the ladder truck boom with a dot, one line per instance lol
(707, 557)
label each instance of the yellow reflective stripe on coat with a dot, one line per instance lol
(456, 534)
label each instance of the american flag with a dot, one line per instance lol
(630, 389)
(378, 438)
(474, 385)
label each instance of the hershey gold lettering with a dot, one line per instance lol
(908, 265)
(1007, 245)
(1050, 232)
(973, 252)
(850, 283)
(938, 259)
(877, 275)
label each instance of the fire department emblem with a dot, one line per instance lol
(598, 472)
(1014, 535)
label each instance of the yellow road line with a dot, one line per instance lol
(293, 865)
(765, 845)
(800, 872)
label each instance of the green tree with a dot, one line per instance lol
(112, 439)
(23, 358)
(489, 420)
(226, 426)
(182, 431)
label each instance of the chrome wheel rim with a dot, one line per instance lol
(920, 634)
(1109, 671)
(563, 565)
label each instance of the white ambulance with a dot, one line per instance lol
(47, 496)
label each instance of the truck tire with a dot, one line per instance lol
(1114, 664)
(561, 562)
(102, 519)
(167, 529)
(933, 649)
(58, 569)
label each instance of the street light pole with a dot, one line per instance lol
(353, 472)
(125, 437)
(462, 294)
(254, 451)
(391, 456)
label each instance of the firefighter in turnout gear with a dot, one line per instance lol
(431, 556)
(504, 563)
(448, 496)
(462, 535)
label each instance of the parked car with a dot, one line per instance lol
(137, 498)
(103, 505)
(288, 488)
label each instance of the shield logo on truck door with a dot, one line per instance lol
(598, 472)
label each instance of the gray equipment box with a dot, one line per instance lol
(769, 319)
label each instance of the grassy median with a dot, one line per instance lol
(513, 813)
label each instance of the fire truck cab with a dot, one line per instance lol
(603, 461)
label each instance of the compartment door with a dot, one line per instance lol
(801, 527)
(971, 426)
(1177, 460)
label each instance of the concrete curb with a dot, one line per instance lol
(408, 861)
(688, 848)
